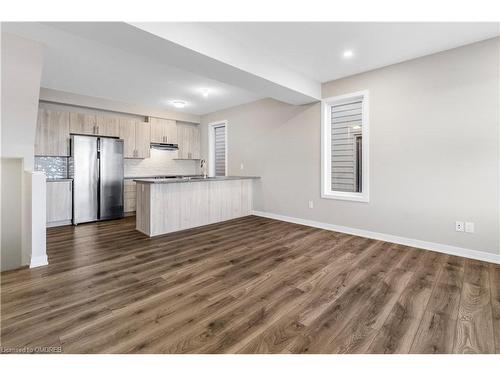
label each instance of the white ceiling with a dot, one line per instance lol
(82, 66)
(154, 63)
(315, 49)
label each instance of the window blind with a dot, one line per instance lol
(220, 150)
(346, 152)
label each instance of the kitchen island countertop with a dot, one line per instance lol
(191, 179)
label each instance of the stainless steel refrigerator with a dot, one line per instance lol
(96, 166)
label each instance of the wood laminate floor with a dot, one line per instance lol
(250, 285)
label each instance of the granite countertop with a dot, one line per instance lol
(160, 175)
(58, 179)
(196, 179)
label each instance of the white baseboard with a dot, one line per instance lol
(441, 248)
(39, 261)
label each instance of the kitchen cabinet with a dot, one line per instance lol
(136, 138)
(188, 137)
(163, 131)
(59, 203)
(108, 126)
(52, 133)
(82, 123)
(129, 199)
(142, 140)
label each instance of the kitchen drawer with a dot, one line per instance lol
(59, 203)
(129, 204)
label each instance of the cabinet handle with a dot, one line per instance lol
(97, 129)
(166, 139)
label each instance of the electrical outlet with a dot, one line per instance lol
(459, 226)
(469, 227)
(311, 204)
(241, 166)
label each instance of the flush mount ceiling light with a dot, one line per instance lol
(178, 103)
(348, 54)
(205, 92)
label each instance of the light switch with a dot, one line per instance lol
(469, 227)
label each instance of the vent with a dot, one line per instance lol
(165, 146)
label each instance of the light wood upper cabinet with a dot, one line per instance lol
(54, 128)
(136, 138)
(82, 123)
(163, 131)
(127, 133)
(188, 137)
(108, 126)
(59, 203)
(52, 133)
(142, 140)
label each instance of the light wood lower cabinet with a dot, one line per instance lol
(129, 199)
(52, 133)
(59, 203)
(169, 207)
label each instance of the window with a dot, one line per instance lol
(217, 149)
(345, 135)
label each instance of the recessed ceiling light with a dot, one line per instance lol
(347, 54)
(178, 103)
(205, 92)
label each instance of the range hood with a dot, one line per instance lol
(165, 146)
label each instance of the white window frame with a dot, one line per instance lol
(326, 149)
(211, 148)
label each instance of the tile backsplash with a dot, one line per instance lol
(160, 163)
(53, 166)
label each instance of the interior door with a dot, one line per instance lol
(85, 178)
(111, 178)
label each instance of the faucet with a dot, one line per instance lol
(203, 166)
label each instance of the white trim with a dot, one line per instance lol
(433, 246)
(39, 261)
(211, 159)
(326, 191)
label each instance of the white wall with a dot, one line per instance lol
(434, 150)
(21, 73)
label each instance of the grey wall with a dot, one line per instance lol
(21, 73)
(434, 150)
(11, 185)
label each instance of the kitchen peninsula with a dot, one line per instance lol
(169, 205)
